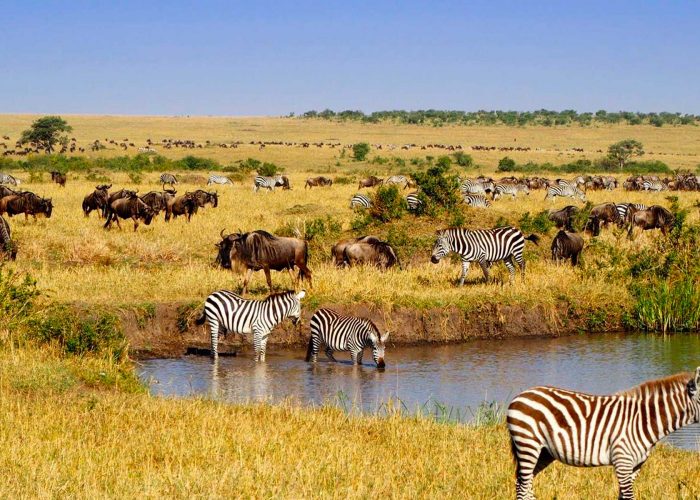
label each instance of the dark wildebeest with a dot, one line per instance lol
(318, 181)
(97, 200)
(373, 253)
(370, 181)
(26, 203)
(563, 218)
(567, 245)
(182, 205)
(132, 207)
(6, 191)
(203, 197)
(8, 248)
(59, 178)
(283, 182)
(603, 214)
(654, 217)
(158, 200)
(261, 250)
(338, 250)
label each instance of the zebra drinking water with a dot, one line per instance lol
(476, 200)
(219, 179)
(360, 201)
(484, 246)
(228, 312)
(345, 333)
(166, 178)
(547, 424)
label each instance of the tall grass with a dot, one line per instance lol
(663, 306)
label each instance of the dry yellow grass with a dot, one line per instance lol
(63, 439)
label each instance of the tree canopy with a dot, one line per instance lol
(622, 151)
(46, 131)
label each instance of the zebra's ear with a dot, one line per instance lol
(386, 337)
(301, 294)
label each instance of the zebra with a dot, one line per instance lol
(469, 186)
(476, 200)
(345, 333)
(399, 180)
(268, 183)
(484, 246)
(166, 178)
(565, 191)
(228, 312)
(511, 189)
(654, 186)
(547, 424)
(623, 211)
(219, 179)
(360, 201)
(413, 202)
(9, 179)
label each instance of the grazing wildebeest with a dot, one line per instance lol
(370, 181)
(338, 250)
(122, 193)
(654, 217)
(132, 207)
(158, 200)
(603, 214)
(8, 248)
(26, 203)
(59, 178)
(97, 200)
(203, 197)
(374, 253)
(563, 218)
(182, 205)
(567, 245)
(261, 250)
(318, 181)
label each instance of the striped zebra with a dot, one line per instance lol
(360, 201)
(625, 210)
(219, 179)
(511, 189)
(547, 424)
(398, 180)
(654, 186)
(166, 178)
(413, 201)
(268, 183)
(564, 191)
(9, 179)
(228, 312)
(345, 333)
(476, 200)
(484, 246)
(469, 186)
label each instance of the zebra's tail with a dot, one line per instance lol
(309, 349)
(202, 317)
(534, 238)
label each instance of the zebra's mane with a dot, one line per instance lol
(669, 383)
(272, 296)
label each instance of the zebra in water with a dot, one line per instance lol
(398, 180)
(413, 201)
(484, 246)
(345, 333)
(564, 191)
(228, 312)
(9, 179)
(654, 186)
(476, 200)
(219, 179)
(166, 178)
(511, 189)
(360, 201)
(625, 210)
(547, 424)
(469, 186)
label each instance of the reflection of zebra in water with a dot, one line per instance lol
(268, 183)
(345, 333)
(413, 201)
(166, 178)
(484, 246)
(9, 179)
(547, 424)
(360, 201)
(566, 191)
(227, 312)
(476, 200)
(219, 179)
(654, 186)
(625, 211)
(511, 189)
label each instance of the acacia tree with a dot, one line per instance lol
(622, 151)
(46, 132)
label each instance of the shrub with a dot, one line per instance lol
(269, 169)
(439, 188)
(540, 223)
(360, 151)
(387, 204)
(463, 159)
(196, 163)
(506, 164)
(444, 162)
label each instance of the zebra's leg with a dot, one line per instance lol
(625, 478)
(329, 354)
(214, 329)
(508, 261)
(263, 347)
(259, 343)
(485, 268)
(465, 269)
(358, 357)
(524, 476)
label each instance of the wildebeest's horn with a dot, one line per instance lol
(222, 233)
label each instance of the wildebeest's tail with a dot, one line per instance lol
(534, 238)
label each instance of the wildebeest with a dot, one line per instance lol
(158, 200)
(132, 207)
(603, 214)
(122, 193)
(563, 218)
(370, 181)
(6, 191)
(374, 253)
(654, 217)
(567, 245)
(318, 181)
(182, 205)
(203, 197)
(27, 203)
(338, 250)
(58, 178)
(8, 248)
(97, 200)
(261, 250)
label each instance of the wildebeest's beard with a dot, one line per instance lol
(223, 257)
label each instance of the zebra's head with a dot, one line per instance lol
(440, 248)
(694, 395)
(294, 312)
(378, 346)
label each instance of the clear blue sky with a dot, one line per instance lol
(271, 58)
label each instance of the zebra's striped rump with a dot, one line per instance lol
(345, 333)
(547, 424)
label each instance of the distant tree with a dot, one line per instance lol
(622, 151)
(444, 162)
(360, 151)
(463, 159)
(268, 169)
(506, 164)
(46, 131)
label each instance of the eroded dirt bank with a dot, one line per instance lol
(168, 330)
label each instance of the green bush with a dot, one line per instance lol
(540, 223)
(463, 159)
(444, 162)
(17, 295)
(387, 204)
(506, 164)
(360, 151)
(440, 189)
(195, 163)
(269, 169)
